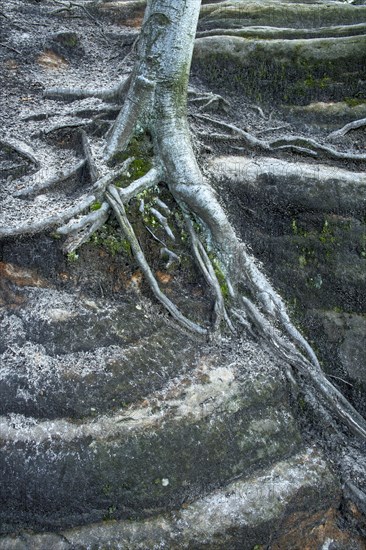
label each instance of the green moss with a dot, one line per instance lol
(297, 230)
(354, 101)
(111, 512)
(149, 219)
(55, 236)
(109, 237)
(295, 74)
(72, 257)
(302, 261)
(220, 276)
(316, 247)
(95, 206)
(302, 403)
(71, 41)
(327, 235)
(321, 83)
(140, 148)
(107, 489)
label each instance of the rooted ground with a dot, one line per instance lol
(99, 387)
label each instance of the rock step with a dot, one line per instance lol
(63, 355)
(311, 237)
(295, 71)
(247, 512)
(284, 185)
(181, 443)
(272, 14)
(283, 52)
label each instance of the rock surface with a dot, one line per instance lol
(240, 516)
(117, 428)
(312, 242)
(284, 52)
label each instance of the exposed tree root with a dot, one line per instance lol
(50, 222)
(298, 144)
(354, 125)
(208, 101)
(166, 253)
(163, 222)
(22, 149)
(150, 179)
(333, 398)
(81, 230)
(115, 94)
(93, 170)
(68, 126)
(103, 111)
(51, 183)
(140, 94)
(118, 208)
(71, 6)
(209, 274)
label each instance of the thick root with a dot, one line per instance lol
(48, 223)
(138, 97)
(113, 95)
(101, 185)
(150, 179)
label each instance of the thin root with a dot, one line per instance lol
(347, 128)
(115, 201)
(80, 231)
(335, 400)
(163, 222)
(49, 184)
(296, 143)
(209, 274)
(172, 256)
(93, 170)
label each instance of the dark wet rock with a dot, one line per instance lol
(62, 355)
(296, 68)
(191, 437)
(341, 337)
(240, 516)
(306, 224)
(110, 412)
